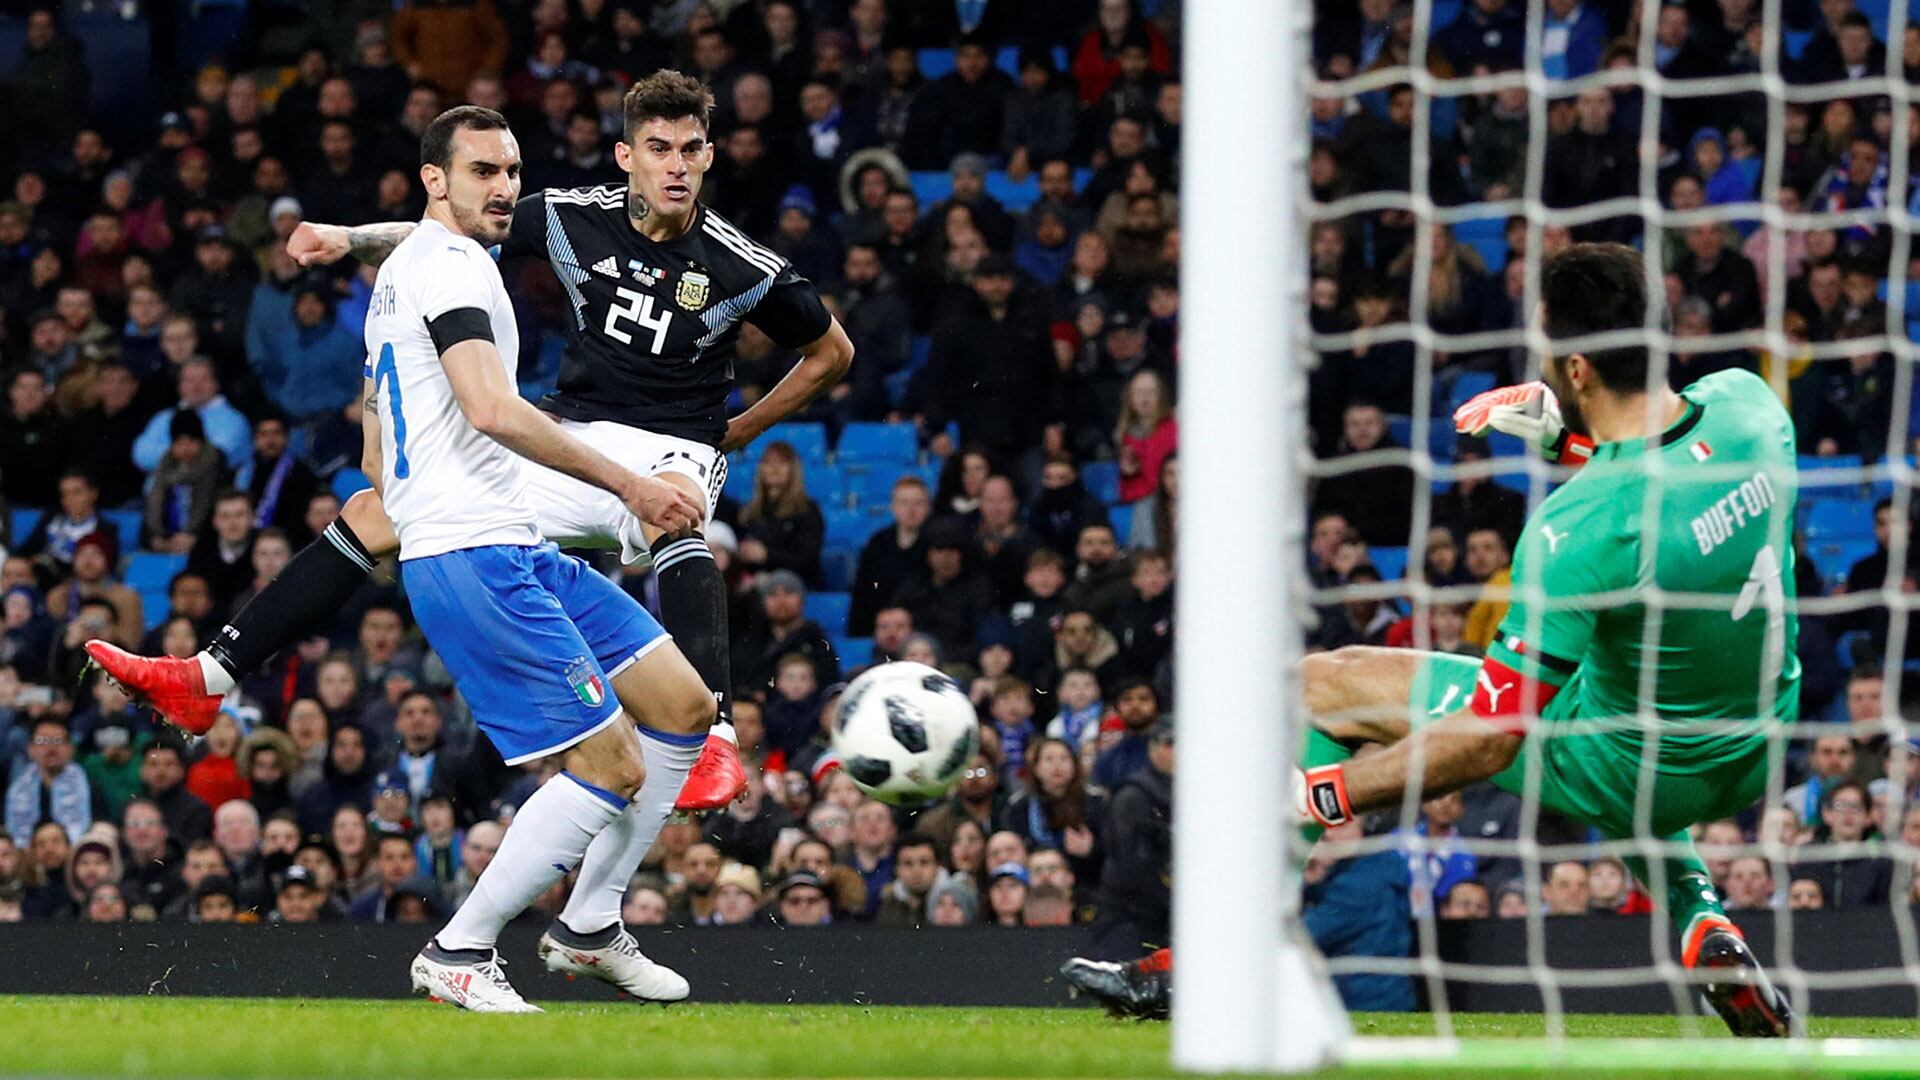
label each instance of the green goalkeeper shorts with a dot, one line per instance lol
(1593, 776)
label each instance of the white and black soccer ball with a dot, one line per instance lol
(905, 732)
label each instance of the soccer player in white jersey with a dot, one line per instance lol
(551, 656)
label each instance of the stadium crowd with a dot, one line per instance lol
(986, 192)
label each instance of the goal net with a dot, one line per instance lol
(1362, 251)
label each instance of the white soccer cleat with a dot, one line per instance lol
(476, 987)
(620, 964)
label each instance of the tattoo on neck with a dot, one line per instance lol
(637, 208)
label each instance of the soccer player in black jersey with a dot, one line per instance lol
(659, 286)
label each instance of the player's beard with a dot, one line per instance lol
(1555, 376)
(477, 223)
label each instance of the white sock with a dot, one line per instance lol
(616, 853)
(723, 729)
(548, 837)
(215, 676)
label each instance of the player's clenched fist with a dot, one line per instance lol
(1528, 412)
(317, 245)
(663, 505)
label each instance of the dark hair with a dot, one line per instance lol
(915, 840)
(668, 95)
(1591, 289)
(226, 494)
(436, 143)
(386, 837)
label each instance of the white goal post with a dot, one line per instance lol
(1242, 418)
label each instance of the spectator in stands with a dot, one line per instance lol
(1575, 33)
(1488, 33)
(1592, 163)
(781, 527)
(282, 484)
(309, 372)
(1749, 884)
(396, 865)
(949, 600)
(112, 768)
(1001, 542)
(1467, 900)
(891, 556)
(1856, 410)
(1857, 880)
(223, 555)
(802, 901)
(1490, 561)
(1842, 49)
(163, 775)
(30, 437)
(152, 860)
(874, 312)
(1136, 885)
(50, 788)
(103, 433)
(1147, 435)
(267, 759)
(53, 540)
(346, 779)
(1137, 706)
(1063, 508)
(92, 580)
(1376, 499)
(1565, 890)
(185, 483)
(1142, 623)
(784, 631)
(215, 778)
(1829, 763)
(223, 426)
(1721, 276)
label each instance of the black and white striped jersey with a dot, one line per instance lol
(654, 324)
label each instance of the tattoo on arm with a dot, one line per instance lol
(371, 244)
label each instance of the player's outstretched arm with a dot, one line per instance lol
(823, 362)
(495, 409)
(1446, 756)
(317, 244)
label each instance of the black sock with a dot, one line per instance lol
(693, 607)
(316, 584)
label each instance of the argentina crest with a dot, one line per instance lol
(691, 293)
(586, 682)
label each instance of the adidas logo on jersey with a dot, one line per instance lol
(607, 266)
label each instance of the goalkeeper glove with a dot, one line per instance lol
(1529, 412)
(1320, 796)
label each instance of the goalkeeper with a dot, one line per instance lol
(1649, 643)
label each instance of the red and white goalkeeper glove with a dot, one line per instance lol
(1320, 796)
(1528, 412)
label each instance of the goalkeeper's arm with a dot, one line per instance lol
(1529, 412)
(1459, 750)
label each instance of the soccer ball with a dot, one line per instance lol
(904, 732)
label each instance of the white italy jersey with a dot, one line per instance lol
(446, 485)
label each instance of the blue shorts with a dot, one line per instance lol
(533, 639)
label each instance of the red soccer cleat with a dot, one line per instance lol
(169, 685)
(716, 779)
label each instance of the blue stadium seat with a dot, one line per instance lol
(1468, 386)
(149, 571)
(1120, 516)
(866, 441)
(1488, 239)
(1440, 436)
(1102, 478)
(739, 485)
(829, 609)
(127, 524)
(1835, 556)
(347, 482)
(1837, 519)
(1795, 42)
(1816, 463)
(872, 485)
(809, 440)
(851, 527)
(1390, 561)
(931, 186)
(937, 62)
(918, 351)
(24, 521)
(828, 486)
(836, 567)
(853, 652)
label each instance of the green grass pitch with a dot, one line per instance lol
(239, 1037)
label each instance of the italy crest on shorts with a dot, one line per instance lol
(691, 293)
(586, 682)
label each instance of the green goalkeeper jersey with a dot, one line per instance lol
(1661, 577)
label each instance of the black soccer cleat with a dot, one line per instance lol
(1126, 990)
(1747, 1000)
